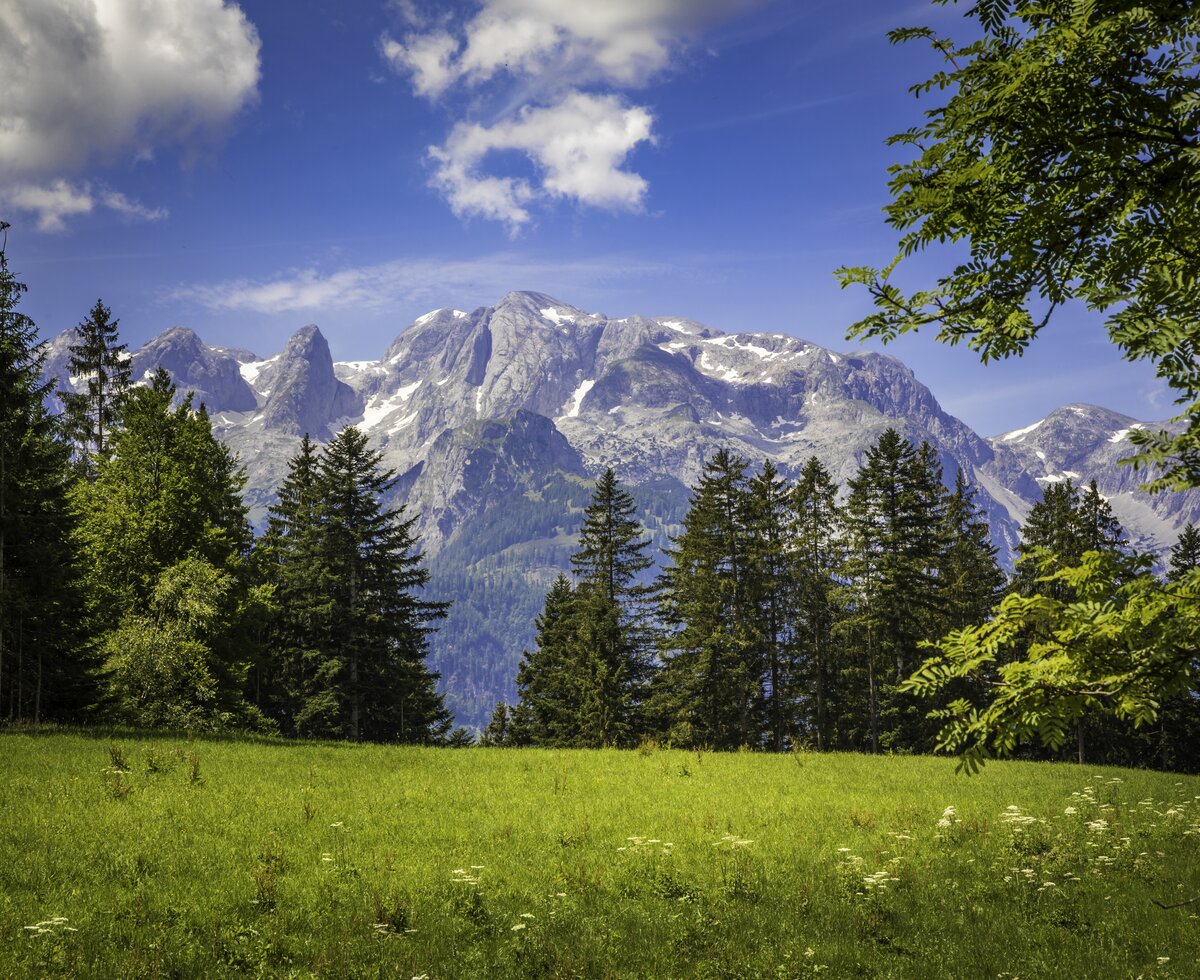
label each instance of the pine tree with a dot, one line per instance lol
(709, 690)
(47, 664)
(1051, 530)
(770, 576)
(1185, 556)
(103, 366)
(972, 580)
(818, 554)
(610, 618)
(377, 625)
(1098, 527)
(545, 713)
(893, 519)
(291, 559)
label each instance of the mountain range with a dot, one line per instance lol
(497, 421)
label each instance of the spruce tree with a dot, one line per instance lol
(894, 520)
(971, 578)
(102, 365)
(818, 554)
(1185, 556)
(546, 680)
(611, 617)
(377, 624)
(291, 559)
(1051, 531)
(47, 663)
(709, 691)
(770, 576)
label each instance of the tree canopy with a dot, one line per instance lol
(1064, 155)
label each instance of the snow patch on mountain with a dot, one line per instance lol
(557, 317)
(571, 408)
(1017, 435)
(250, 370)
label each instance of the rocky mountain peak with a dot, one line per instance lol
(210, 374)
(300, 390)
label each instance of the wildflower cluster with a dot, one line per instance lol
(465, 876)
(644, 844)
(50, 927)
(866, 885)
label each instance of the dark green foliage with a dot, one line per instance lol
(971, 579)
(47, 667)
(102, 365)
(894, 549)
(350, 634)
(1185, 556)
(710, 690)
(1062, 156)
(585, 682)
(817, 556)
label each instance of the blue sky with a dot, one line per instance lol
(247, 169)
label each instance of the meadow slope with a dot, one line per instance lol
(146, 857)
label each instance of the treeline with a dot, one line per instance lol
(132, 589)
(792, 614)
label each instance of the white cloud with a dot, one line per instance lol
(572, 42)
(387, 285)
(52, 203)
(88, 80)
(578, 146)
(577, 140)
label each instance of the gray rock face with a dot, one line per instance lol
(300, 391)
(1082, 443)
(211, 374)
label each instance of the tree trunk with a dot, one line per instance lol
(1079, 739)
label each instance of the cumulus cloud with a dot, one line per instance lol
(578, 146)
(51, 204)
(389, 284)
(620, 42)
(88, 80)
(578, 141)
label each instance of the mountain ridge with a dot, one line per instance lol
(497, 420)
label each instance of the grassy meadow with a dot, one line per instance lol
(145, 857)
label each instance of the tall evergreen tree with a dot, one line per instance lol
(709, 691)
(1185, 556)
(894, 519)
(770, 577)
(546, 711)
(1052, 529)
(47, 665)
(971, 578)
(611, 619)
(291, 559)
(101, 364)
(378, 626)
(585, 683)
(818, 555)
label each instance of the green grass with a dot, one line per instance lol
(229, 858)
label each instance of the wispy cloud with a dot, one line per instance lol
(390, 284)
(51, 204)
